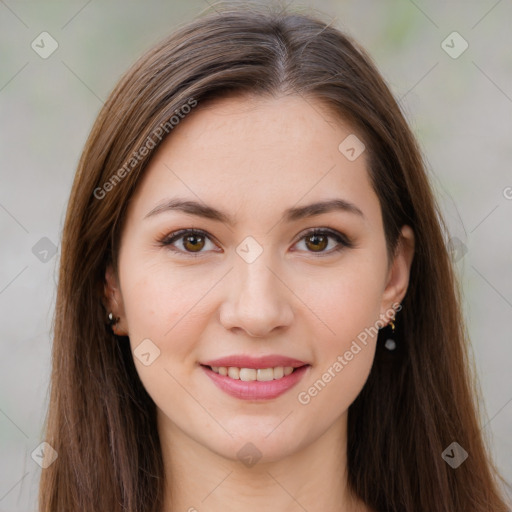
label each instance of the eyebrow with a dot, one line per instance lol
(290, 215)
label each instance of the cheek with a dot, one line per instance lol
(165, 305)
(345, 300)
(348, 305)
(166, 316)
(170, 305)
(344, 355)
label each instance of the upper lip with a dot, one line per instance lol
(243, 361)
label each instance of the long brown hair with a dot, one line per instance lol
(418, 398)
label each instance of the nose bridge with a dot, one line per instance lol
(255, 278)
(258, 300)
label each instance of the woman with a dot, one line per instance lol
(256, 306)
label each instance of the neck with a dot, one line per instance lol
(312, 478)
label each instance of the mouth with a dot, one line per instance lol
(255, 383)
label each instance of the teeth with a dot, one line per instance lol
(250, 374)
(279, 372)
(233, 372)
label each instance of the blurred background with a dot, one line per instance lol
(448, 63)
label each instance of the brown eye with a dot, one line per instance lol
(193, 243)
(188, 242)
(325, 241)
(316, 242)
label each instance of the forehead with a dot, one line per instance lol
(243, 154)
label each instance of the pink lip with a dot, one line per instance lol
(242, 361)
(256, 390)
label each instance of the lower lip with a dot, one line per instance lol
(256, 390)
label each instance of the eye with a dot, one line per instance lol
(191, 241)
(317, 240)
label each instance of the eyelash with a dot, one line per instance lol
(342, 240)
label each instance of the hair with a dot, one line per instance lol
(417, 400)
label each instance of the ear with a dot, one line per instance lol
(114, 301)
(397, 280)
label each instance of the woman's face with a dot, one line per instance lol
(254, 282)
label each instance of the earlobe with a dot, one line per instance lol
(399, 273)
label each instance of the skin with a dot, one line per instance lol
(253, 158)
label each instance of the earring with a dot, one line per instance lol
(390, 343)
(112, 320)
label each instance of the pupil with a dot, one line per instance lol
(314, 239)
(190, 238)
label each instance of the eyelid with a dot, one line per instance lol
(334, 233)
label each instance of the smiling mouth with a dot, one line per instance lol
(254, 374)
(256, 384)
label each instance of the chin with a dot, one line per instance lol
(255, 445)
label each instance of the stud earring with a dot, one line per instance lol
(112, 320)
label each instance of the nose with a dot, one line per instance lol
(257, 301)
